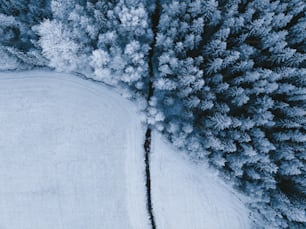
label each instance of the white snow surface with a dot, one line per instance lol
(187, 195)
(71, 155)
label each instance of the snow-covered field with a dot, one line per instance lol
(187, 195)
(71, 157)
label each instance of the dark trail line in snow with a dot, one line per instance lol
(155, 20)
(147, 144)
(147, 147)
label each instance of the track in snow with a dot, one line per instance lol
(70, 155)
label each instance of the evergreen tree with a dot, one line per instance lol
(121, 56)
(17, 39)
(70, 37)
(106, 40)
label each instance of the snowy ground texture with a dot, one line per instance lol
(68, 157)
(71, 157)
(188, 195)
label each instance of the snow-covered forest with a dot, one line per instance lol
(224, 80)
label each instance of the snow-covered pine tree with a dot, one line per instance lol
(17, 39)
(106, 40)
(68, 39)
(179, 83)
(121, 56)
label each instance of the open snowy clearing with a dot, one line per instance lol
(187, 195)
(71, 158)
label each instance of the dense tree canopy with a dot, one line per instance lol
(231, 86)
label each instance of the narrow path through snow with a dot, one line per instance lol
(70, 155)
